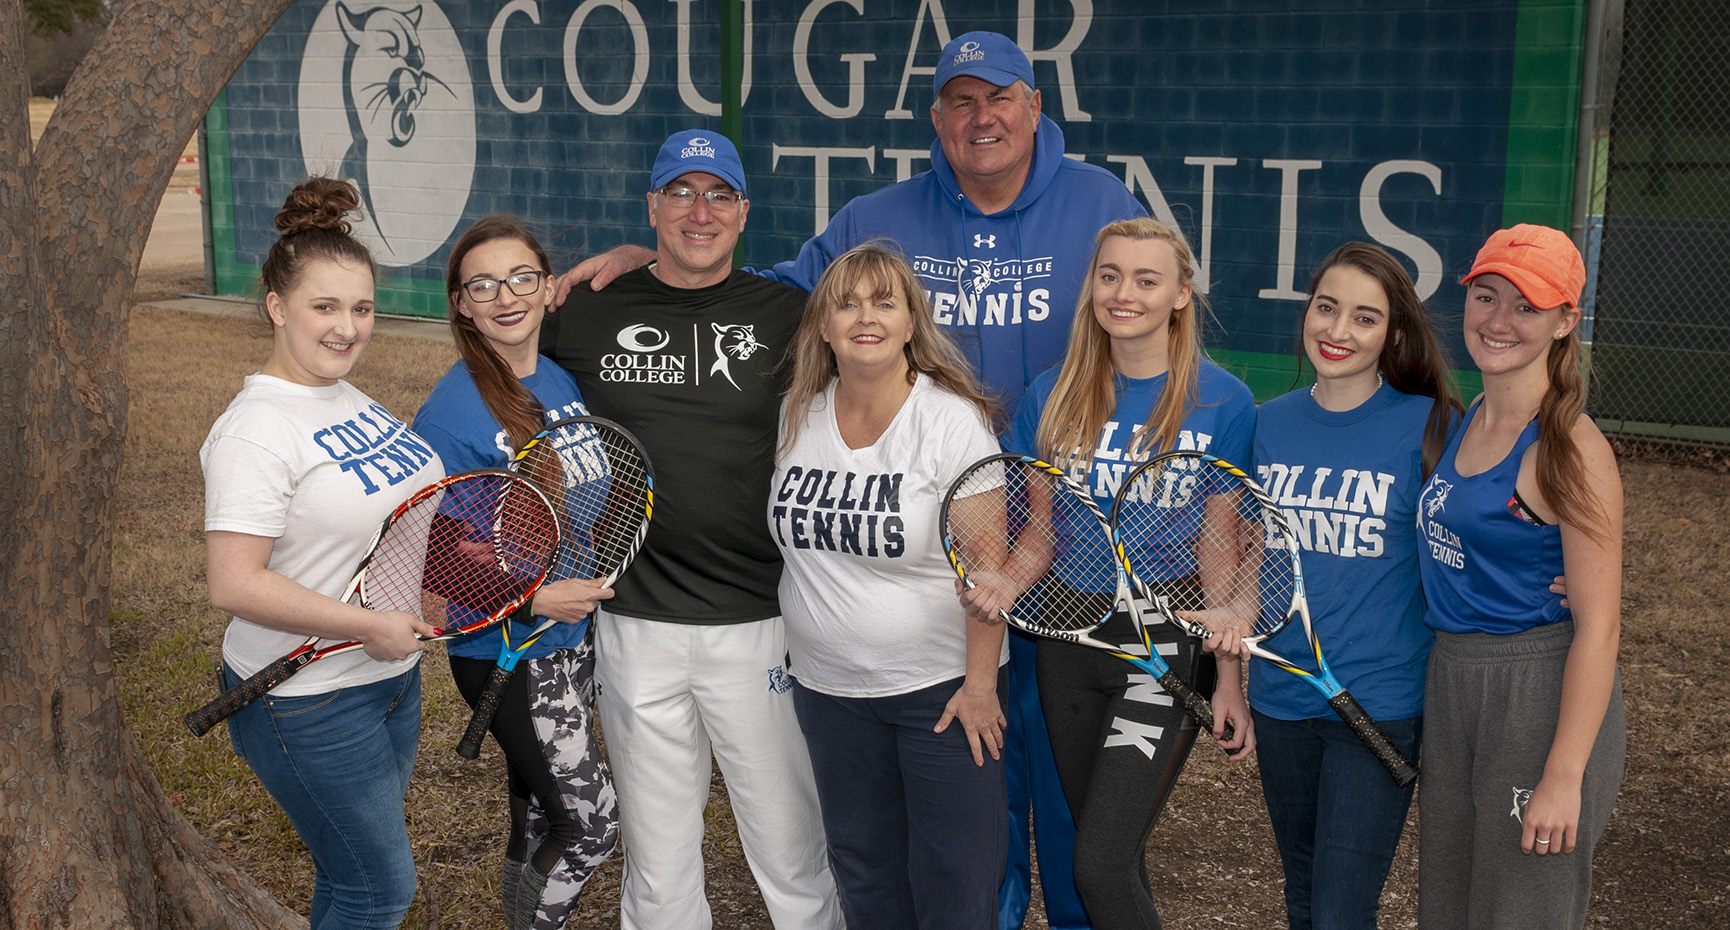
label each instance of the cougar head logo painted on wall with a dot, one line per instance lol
(384, 72)
(386, 102)
(732, 341)
(384, 80)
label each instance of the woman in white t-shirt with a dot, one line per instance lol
(896, 691)
(298, 473)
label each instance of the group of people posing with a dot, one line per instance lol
(793, 617)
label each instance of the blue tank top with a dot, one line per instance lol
(1486, 566)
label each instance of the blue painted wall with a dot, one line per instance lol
(1270, 130)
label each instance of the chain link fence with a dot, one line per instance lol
(1660, 319)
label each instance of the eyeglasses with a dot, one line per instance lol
(684, 198)
(522, 284)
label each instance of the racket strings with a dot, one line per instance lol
(462, 551)
(1182, 516)
(603, 497)
(1016, 527)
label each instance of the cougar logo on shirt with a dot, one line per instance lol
(1443, 543)
(678, 356)
(1436, 496)
(732, 341)
(984, 291)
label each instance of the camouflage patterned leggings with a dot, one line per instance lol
(564, 818)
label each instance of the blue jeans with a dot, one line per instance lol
(338, 763)
(1337, 816)
(917, 832)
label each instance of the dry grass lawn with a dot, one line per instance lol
(1665, 861)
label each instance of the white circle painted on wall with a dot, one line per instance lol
(386, 102)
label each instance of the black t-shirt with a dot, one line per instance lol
(691, 373)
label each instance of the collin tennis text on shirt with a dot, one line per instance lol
(840, 511)
(1343, 513)
(374, 447)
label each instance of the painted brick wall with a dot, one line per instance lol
(1269, 130)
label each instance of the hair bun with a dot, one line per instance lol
(318, 204)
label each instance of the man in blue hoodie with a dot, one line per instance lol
(1001, 230)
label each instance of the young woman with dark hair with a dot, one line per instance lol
(563, 821)
(299, 472)
(1346, 458)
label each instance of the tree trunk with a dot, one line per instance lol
(87, 838)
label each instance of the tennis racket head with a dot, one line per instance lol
(1192, 514)
(463, 552)
(1021, 526)
(601, 485)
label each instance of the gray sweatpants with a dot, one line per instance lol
(1490, 710)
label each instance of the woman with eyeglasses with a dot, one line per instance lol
(492, 401)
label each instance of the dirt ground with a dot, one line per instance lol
(1665, 861)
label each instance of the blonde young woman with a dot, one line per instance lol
(896, 691)
(1134, 383)
(1524, 736)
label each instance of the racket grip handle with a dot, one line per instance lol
(1192, 703)
(1402, 770)
(485, 710)
(231, 701)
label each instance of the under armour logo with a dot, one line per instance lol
(981, 241)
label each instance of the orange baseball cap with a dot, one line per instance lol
(1542, 262)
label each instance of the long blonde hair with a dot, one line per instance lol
(929, 352)
(1086, 391)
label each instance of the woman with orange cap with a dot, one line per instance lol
(1524, 736)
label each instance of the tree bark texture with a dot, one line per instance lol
(87, 837)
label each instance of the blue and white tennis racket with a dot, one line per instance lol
(1021, 527)
(1191, 514)
(598, 479)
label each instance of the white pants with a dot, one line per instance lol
(671, 692)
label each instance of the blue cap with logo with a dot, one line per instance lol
(988, 56)
(698, 150)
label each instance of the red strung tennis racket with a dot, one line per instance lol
(461, 554)
(599, 480)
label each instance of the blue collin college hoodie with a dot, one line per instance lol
(1003, 285)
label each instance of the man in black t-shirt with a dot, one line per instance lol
(690, 651)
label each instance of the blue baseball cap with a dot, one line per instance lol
(988, 56)
(698, 150)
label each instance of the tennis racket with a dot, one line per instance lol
(1020, 526)
(460, 553)
(1195, 514)
(598, 478)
